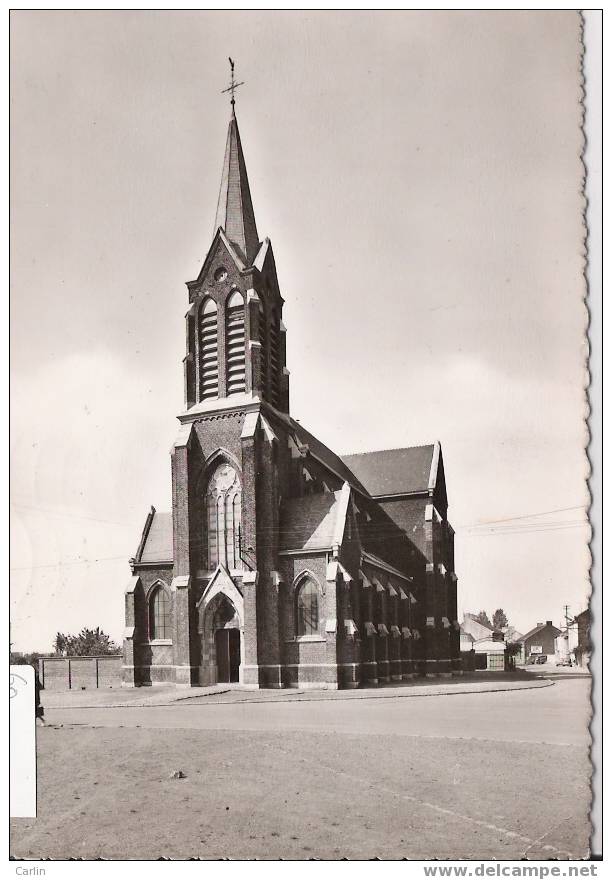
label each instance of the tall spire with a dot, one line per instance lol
(235, 213)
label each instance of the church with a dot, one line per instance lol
(281, 564)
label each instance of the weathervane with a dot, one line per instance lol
(233, 84)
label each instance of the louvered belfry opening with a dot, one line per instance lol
(209, 358)
(274, 359)
(236, 373)
(264, 350)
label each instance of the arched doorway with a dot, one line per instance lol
(227, 647)
(222, 641)
(226, 629)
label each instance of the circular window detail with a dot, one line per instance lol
(221, 274)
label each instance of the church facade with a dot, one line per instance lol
(281, 563)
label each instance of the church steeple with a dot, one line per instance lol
(236, 345)
(235, 213)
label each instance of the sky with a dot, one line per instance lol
(419, 176)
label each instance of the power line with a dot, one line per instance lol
(477, 530)
(487, 522)
(53, 511)
(554, 528)
(526, 527)
(71, 562)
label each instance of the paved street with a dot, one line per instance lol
(483, 775)
(524, 716)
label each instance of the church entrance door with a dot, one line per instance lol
(227, 645)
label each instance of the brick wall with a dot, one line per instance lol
(145, 654)
(76, 673)
(265, 284)
(545, 639)
(271, 651)
(307, 660)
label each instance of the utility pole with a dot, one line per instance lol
(567, 623)
(567, 617)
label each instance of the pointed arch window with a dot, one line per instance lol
(223, 519)
(236, 373)
(160, 614)
(209, 358)
(307, 608)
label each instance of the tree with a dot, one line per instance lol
(483, 617)
(513, 650)
(499, 619)
(28, 659)
(88, 643)
(60, 643)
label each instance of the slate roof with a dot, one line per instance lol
(158, 544)
(235, 213)
(320, 450)
(409, 515)
(393, 471)
(308, 523)
(537, 629)
(382, 563)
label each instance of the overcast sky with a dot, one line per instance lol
(419, 176)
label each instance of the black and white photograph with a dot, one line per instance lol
(300, 562)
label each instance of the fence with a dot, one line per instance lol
(80, 673)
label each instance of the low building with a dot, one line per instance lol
(566, 643)
(514, 644)
(473, 627)
(540, 641)
(488, 645)
(511, 634)
(582, 650)
(574, 644)
(491, 652)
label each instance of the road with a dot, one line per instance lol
(490, 775)
(554, 715)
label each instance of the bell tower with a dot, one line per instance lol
(229, 466)
(235, 334)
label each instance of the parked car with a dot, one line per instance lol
(542, 658)
(531, 659)
(565, 661)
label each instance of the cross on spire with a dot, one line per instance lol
(233, 84)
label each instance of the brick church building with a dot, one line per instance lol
(281, 564)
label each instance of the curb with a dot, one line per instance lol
(140, 704)
(305, 697)
(314, 697)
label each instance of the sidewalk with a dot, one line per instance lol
(160, 695)
(166, 695)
